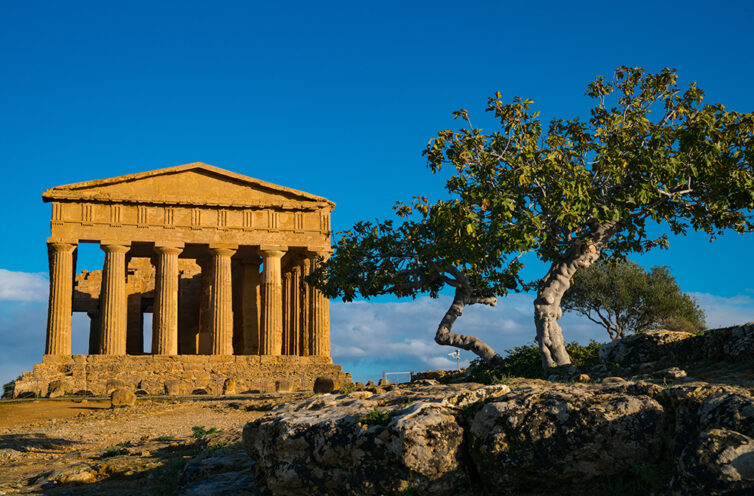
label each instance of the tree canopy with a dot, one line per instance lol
(648, 151)
(622, 297)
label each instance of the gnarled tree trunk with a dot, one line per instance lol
(445, 336)
(547, 309)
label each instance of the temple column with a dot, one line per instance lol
(165, 318)
(113, 300)
(221, 301)
(203, 344)
(320, 315)
(305, 297)
(250, 293)
(272, 301)
(294, 306)
(61, 298)
(94, 331)
(287, 317)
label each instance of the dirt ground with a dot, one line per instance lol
(84, 447)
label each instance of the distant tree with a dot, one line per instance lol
(567, 194)
(624, 298)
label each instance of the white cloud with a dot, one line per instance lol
(23, 286)
(726, 311)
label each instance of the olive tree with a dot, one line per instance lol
(622, 297)
(648, 152)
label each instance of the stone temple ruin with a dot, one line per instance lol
(187, 243)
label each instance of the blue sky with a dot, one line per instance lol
(334, 98)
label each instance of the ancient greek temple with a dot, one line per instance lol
(218, 258)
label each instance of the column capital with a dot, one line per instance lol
(115, 246)
(264, 249)
(168, 250)
(61, 245)
(222, 250)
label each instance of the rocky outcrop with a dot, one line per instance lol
(527, 437)
(660, 348)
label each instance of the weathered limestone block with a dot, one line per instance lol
(122, 397)
(563, 439)
(55, 389)
(114, 384)
(283, 386)
(718, 462)
(174, 388)
(229, 386)
(650, 346)
(383, 444)
(326, 385)
(666, 348)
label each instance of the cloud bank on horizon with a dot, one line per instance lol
(367, 338)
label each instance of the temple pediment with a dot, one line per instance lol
(193, 184)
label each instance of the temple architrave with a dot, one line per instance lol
(218, 258)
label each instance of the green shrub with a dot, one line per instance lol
(377, 417)
(526, 361)
(200, 432)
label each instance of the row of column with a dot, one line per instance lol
(263, 330)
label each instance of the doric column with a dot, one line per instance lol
(287, 317)
(113, 300)
(61, 298)
(272, 301)
(165, 318)
(203, 344)
(94, 331)
(320, 316)
(221, 301)
(250, 294)
(305, 306)
(294, 308)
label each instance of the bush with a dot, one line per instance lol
(526, 361)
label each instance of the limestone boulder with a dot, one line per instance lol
(113, 384)
(174, 387)
(353, 444)
(283, 386)
(229, 386)
(718, 461)
(122, 397)
(55, 389)
(651, 346)
(567, 439)
(326, 385)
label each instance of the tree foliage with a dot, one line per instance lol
(648, 151)
(622, 297)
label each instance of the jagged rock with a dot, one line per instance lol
(536, 438)
(218, 471)
(112, 385)
(229, 386)
(173, 387)
(563, 438)
(382, 444)
(326, 385)
(81, 473)
(383, 382)
(675, 373)
(122, 397)
(649, 346)
(658, 349)
(55, 389)
(718, 462)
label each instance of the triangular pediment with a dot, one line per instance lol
(190, 184)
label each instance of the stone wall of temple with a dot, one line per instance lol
(181, 374)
